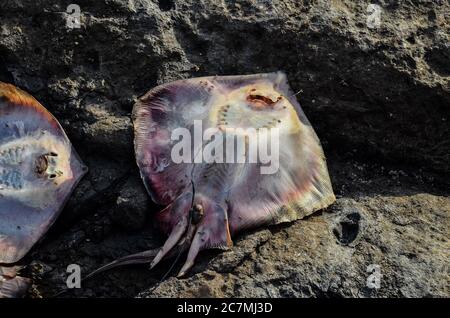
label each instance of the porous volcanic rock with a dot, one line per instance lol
(376, 91)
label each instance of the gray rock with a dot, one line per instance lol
(310, 259)
(377, 94)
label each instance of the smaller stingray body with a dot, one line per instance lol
(207, 203)
(38, 171)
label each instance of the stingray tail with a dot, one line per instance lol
(138, 258)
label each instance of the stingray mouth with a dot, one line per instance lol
(258, 100)
(255, 109)
(46, 166)
(41, 165)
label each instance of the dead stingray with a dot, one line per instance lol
(38, 171)
(207, 203)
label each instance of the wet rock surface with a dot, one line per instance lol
(377, 95)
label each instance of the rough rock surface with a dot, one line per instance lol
(377, 94)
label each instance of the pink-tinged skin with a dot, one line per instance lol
(38, 171)
(228, 197)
